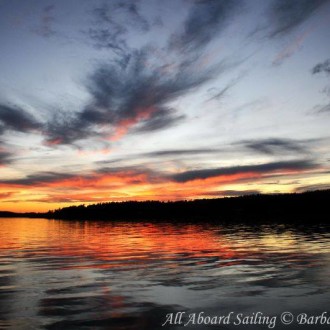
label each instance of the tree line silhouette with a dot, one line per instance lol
(303, 207)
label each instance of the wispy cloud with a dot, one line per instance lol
(105, 176)
(182, 152)
(111, 23)
(38, 178)
(45, 26)
(205, 21)
(297, 165)
(133, 92)
(87, 117)
(294, 46)
(286, 16)
(135, 95)
(6, 195)
(163, 118)
(141, 183)
(322, 67)
(16, 119)
(5, 158)
(274, 146)
(218, 94)
(65, 128)
(312, 187)
(319, 109)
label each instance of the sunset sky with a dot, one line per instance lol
(137, 100)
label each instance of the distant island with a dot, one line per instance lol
(304, 207)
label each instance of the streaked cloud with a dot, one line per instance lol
(286, 16)
(322, 109)
(45, 26)
(135, 95)
(38, 178)
(170, 100)
(275, 146)
(16, 119)
(111, 22)
(297, 165)
(293, 46)
(205, 21)
(322, 67)
(5, 157)
(312, 187)
(182, 152)
(6, 195)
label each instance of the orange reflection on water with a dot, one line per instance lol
(106, 245)
(110, 244)
(71, 274)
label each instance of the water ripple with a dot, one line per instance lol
(107, 275)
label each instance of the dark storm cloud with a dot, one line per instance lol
(322, 67)
(132, 95)
(206, 19)
(275, 146)
(16, 119)
(286, 15)
(298, 165)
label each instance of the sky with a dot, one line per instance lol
(161, 100)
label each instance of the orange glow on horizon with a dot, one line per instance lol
(132, 185)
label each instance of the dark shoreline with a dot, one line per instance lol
(308, 207)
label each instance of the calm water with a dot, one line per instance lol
(106, 275)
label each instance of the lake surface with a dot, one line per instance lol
(124, 275)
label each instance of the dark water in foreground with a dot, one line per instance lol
(106, 275)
